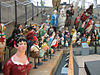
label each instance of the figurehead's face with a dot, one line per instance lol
(48, 39)
(20, 27)
(55, 11)
(71, 5)
(86, 14)
(63, 6)
(97, 22)
(22, 46)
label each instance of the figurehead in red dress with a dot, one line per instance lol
(19, 63)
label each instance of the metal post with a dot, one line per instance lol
(83, 4)
(35, 67)
(41, 12)
(47, 53)
(39, 63)
(44, 6)
(95, 3)
(69, 1)
(95, 45)
(98, 9)
(37, 9)
(44, 59)
(38, 60)
(25, 14)
(0, 67)
(41, 6)
(15, 13)
(50, 54)
(0, 12)
(32, 11)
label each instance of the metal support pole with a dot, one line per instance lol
(0, 67)
(54, 51)
(50, 54)
(95, 3)
(47, 53)
(95, 45)
(39, 63)
(41, 12)
(38, 60)
(0, 12)
(15, 13)
(44, 7)
(5, 53)
(35, 67)
(41, 6)
(25, 14)
(83, 4)
(32, 11)
(44, 59)
(37, 9)
(69, 1)
(98, 9)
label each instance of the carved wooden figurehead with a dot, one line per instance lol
(56, 4)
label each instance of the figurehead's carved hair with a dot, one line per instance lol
(19, 38)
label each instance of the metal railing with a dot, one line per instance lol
(18, 12)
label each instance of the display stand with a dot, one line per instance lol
(50, 54)
(58, 47)
(47, 53)
(0, 67)
(44, 58)
(54, 51)
(35, 67)
(39, 63)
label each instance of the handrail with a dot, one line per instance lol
(18, 3)
(28, 18)
(71, 65)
